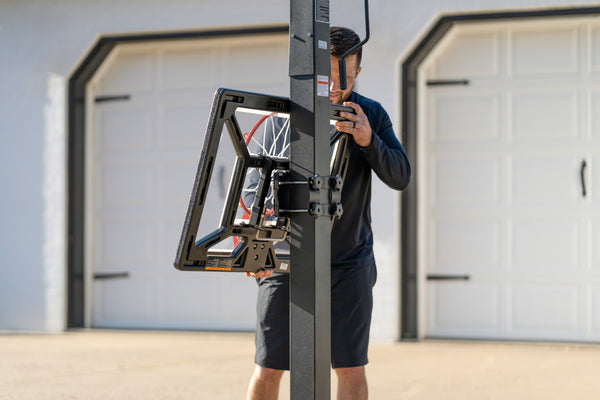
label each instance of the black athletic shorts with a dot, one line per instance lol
(351, 308)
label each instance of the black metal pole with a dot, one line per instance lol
(310, 280)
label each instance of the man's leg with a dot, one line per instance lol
(352, 383)
(264, 384)
(351, 308)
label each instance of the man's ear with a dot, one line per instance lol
(357, 72)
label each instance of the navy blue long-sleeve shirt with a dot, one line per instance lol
(351, 235)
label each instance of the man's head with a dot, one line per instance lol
(340, 41)
(343, 39)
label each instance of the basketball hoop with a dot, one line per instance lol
(255, 215)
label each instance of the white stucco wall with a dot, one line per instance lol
(41, 44)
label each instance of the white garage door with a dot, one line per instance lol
(149, 105)
(510, 192)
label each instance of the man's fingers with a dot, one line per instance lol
(352, 121)
(268, 273)
(265, 273)
(356, 124)
(354, 106)
(349, 116)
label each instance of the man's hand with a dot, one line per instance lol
(263, 273)
(357, 125)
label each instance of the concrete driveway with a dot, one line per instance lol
(197, 365)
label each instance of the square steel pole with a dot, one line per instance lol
(310, 237)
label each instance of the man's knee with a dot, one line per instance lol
(352, 383)
(264, 384)
(352, 374)
(267, 374)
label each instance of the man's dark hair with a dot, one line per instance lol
(343, 39)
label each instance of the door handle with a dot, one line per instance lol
(582, 176)
(443, 277)
(448, 82)
(111, 275)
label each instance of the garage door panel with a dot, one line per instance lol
(465, 180)
(463, 305)
(592, 179)
(202, 301)
(595, 309)
(269, 64)
(245, 307)
(122, 302)
(595, 113)
(469, 55)
(551, 179)
(177, 178)
(168, 238)
(460, 116)
(136, 73)
(127, 185)
(595, 244)
(545, 51)
(595, 49)
(195, 298)
(125, 128)
(543, 244)
(184, 126)
(466, 245)
(542, 115)
(188, 68)
(124, 243)
(143, 164)
(505, 203)
(549, 308)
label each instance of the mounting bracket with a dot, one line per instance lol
(290, 192)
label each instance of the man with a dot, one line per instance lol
(353, 272)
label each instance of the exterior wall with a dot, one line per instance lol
(42, 43)
(397, 26)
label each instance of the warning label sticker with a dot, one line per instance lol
(212, 263)
(323, 85)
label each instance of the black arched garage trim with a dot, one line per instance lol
(410, 201)
(76, 147)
